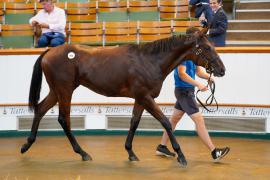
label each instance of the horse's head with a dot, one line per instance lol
(203, 53)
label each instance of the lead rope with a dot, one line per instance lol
(211, 98)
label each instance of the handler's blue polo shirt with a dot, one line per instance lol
(190, 70)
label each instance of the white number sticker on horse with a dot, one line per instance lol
(71, 55)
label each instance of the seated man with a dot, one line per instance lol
(52, 21)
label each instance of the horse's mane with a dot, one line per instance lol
(161, 45)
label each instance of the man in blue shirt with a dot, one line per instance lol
(185, 84)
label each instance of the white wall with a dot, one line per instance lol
(246, 81)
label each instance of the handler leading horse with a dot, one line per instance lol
(135, 71)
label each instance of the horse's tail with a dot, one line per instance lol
(35, 87)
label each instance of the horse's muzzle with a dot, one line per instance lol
(219, 73)
(222, 72)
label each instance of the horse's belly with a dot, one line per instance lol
(108, 90)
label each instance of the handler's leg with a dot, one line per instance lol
(217, 153)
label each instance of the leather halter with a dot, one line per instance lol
(212, 86)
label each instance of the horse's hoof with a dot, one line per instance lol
(24, 148)
(133, 158)
(182, 160)
(86, 157)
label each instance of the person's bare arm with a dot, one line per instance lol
(44, 25)
(34, 23)
(200, 72)
(185, 77)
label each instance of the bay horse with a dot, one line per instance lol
(134, 71)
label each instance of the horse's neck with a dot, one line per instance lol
(173, 58)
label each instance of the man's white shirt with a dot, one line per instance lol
(55, 19)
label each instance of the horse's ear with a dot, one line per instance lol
(204, 30)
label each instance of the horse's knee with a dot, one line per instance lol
(166, 124)
(62, 121)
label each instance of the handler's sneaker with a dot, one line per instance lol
(217, 153)
(164, 151)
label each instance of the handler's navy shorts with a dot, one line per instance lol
(186, 100)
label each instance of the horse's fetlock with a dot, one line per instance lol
(176, 147)
(31, 139)
(128, 147)
(77, 149)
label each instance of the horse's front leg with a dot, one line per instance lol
(151, 106)
(136, 117)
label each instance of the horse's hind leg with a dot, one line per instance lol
(151, 106)
(64, 120)
(41, 110)
(136, 117)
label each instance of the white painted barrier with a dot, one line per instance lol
(246, 82)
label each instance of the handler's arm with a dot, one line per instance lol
(200, 72)
(185, 77)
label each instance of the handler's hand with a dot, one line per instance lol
(202, 87)
(211, 80)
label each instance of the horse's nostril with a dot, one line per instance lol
(222, 73)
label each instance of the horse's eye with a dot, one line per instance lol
(208, 48)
